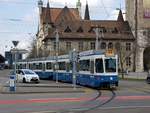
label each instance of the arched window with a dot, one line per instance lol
(68, 30)
(103, 45)
(110, 45)
(117, 46)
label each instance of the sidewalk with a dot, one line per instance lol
(53, 87)
(135, 75)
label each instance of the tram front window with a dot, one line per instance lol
(110, 65)
(99, 66)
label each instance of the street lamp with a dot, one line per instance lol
(56, 54)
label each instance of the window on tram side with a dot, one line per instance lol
(40, 66)
(43, 66)
(37, 66)
(62, 65)
(99, 65)
(84, 65)
(68, 66)
(34, 66)
(48, 65)
(110, 65)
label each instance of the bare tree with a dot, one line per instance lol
(123, 55)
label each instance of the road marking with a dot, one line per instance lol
(124, 107)
(45, 112)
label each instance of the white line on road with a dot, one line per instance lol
(124, 107)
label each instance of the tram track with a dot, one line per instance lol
(86, 107)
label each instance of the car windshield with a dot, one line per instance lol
(28, 72)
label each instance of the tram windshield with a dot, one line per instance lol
(110, 65)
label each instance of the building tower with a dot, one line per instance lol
(138, 16)
(87, 15)
(78, 6)
(40, 5)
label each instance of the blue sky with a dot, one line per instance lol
(19, 18)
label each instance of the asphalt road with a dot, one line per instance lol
(130, 97)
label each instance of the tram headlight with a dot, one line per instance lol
(111, 78)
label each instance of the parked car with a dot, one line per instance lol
(26, 75)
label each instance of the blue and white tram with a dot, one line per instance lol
(98, 70)
(64, 70)
(94, 69)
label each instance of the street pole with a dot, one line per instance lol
(13, 78)
(74, 70)
(56, 51)
(98, 36)
(136, 34)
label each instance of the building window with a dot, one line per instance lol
(92, 45)
(128, 46)
(128, 61)
(68, 30)
(115, 30)
(68, 46)
(80, 46)
(91, 30)
(54, 45)
(103, 45)
(110, 45)
(117, 46)
(80, 30)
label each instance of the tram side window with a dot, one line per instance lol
(37, 66)
(40, 66)
(29, 66)
(68, 67)
(34, 66)
(84, 65)
(48, 65)
(43, 66)
(110, 65)
(99, 66)
(62, 65)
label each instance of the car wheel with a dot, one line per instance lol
(24, 80)
(37, 82)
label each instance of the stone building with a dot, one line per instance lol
(79, 33)
(143, 30)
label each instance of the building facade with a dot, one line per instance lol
(140, 20)
(80, 33)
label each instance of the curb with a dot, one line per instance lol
(42, 92)
(46, 86)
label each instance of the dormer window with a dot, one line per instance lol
(115, 30)
(91, 30)
(80, 30)
(68, 30)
